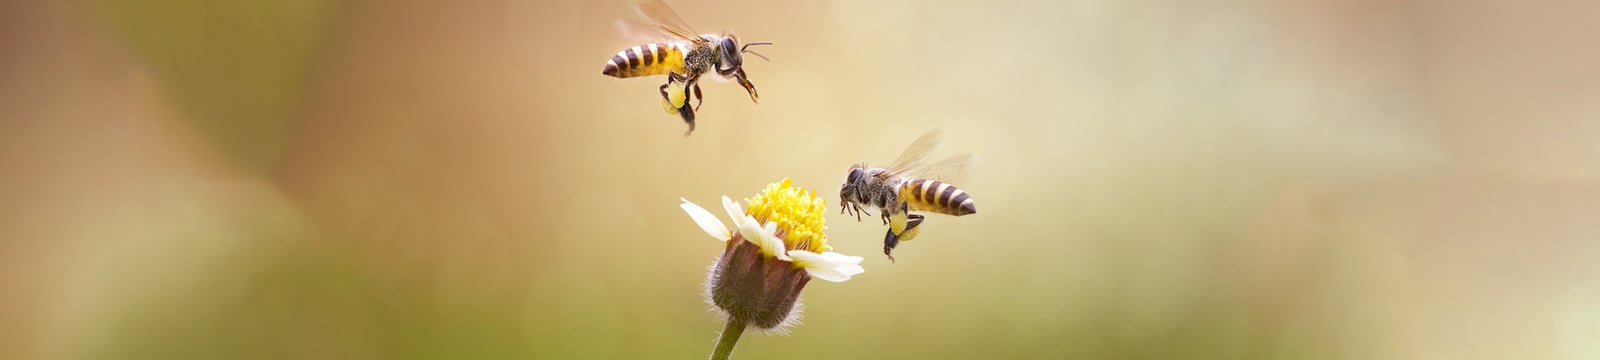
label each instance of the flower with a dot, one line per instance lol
(778, 245)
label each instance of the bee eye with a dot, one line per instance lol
(730, 51)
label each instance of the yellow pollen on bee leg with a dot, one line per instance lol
(910, 234)
(675, 99)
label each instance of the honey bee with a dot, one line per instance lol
(683, 56)
(908, 186)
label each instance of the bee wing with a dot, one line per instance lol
(911, 158)
(662, 21)
(953, 169)
(644, 33)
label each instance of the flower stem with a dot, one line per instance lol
(730, 337)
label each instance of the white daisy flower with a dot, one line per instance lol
(778, 246)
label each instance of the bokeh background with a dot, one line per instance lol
(1215, 179)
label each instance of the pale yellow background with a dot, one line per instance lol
(294, 179)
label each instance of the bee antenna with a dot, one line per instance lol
(763, 57)
(746, 49)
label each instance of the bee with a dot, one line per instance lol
(907, 188)
(683, 58)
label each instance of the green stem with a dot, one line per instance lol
(730, 337)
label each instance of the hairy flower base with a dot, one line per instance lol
(756, 289)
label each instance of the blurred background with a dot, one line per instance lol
(1217, 179)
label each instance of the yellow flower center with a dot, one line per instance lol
(797, 211)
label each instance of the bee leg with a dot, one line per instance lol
(672, 78)
(912, 221)
(889, 242)
(683, 109)
(891, 239)
(748, 86)
(697, 98)
(902, 209)
(688, 117)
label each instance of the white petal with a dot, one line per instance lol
(752, 231)
(734, 211)
(777, 249)
(827, 274)
(775, 243)
(765, 237)
(707, 222)
(830, 266)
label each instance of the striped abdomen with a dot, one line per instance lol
(645, 60)
(936, 196)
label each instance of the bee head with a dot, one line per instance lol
(730, 56)
(848, 196)
(848, 191)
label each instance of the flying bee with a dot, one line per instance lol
(907, 188)
(683, 57)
